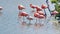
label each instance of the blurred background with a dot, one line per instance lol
(9, 18)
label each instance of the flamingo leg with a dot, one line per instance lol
(23, 18)
(45, 15)
(39, 20)
(29, 23)
(36, 20)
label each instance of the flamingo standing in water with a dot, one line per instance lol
(23, 14)
(36, 15)
(41, 17)
(32, 6)
(41, 13)
(54, 13)
(38, 9)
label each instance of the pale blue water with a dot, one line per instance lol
(9, 19)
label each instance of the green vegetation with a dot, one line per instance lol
(53, 1)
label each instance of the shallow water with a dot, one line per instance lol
(9, 23)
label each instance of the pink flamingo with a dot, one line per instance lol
(24, 14)
(21, 7)
(36, 15)
(33, 7)
(44, 6)
(54, 13)
(41, 17)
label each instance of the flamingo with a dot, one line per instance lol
(21, 7)
(36, 15)
(41, 17)
(39, 24)
(44, 6)
(24, 14)
(54, 12)
(32, 6)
